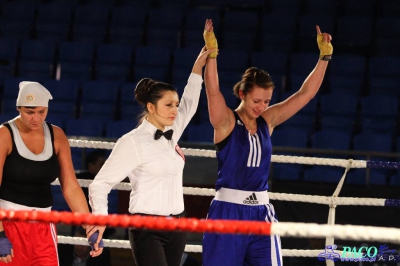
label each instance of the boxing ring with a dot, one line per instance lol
(329, 231)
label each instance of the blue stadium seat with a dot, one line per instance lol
(210, 4)
(165, 18)
(37, 59)
(8, 107)
(348, 65)
(89, 33)
(276, 64)
(38, 50)
(304, 121)
(99, 111)
(91, 14)
(359, 8)
(11, 88)
(8, 57)
(35, 70)
(62, 109)
(289, 137)
(323, 174)
(127, 25)
(277, 34)
(287, 172)
(379, 106)
(254, 4)
(75, 60)
(99, 92)
(388, 8)
(200, 133)
(57, 32)
(21, 30)
(343, 123)
(330, 139)
(240, 25)
(55, 13)
(354, 34)
(328, 7)
(76, 52)
(385, 125)
(152, 62)
(359, 177)
(183, 60)
(346, 85)
(84, 127)
(113, 62)
(63, 90)
(21, 11)
(127, 93)
(383, 69)
(373, 142)
(169, 38)
(285, 7)
(116, 129)
(395, 179)
(231, 66)
(130, 112)
(385, 36)
(338, 104)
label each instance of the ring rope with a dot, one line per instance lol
(275, 158)
(284, 229)
(188, 248)
(325, 200)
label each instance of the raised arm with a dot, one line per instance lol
(280, 112)
(221, 117)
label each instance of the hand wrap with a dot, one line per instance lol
(93, 238)
(211, 42)
(325, 48)
(5, 245)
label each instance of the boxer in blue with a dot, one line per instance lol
(243, 142)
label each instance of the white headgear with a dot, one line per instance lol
(33, 94)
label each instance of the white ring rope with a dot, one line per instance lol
(325, 200)
(211, 153)
(188, 248)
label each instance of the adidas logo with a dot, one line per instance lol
(239, 123)
(252, 199)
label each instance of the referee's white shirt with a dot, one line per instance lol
(154, 167)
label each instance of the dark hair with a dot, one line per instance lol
(253, 77)
(150, 91)
(93, 156)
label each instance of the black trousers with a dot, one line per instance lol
(157, 248)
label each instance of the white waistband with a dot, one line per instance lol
(242, 197)
(8, 205)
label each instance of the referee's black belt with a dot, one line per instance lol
(182, 214)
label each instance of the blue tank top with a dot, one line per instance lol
(244, 159)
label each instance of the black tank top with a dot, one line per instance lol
(28, 182)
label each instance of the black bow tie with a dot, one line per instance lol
(167, 134)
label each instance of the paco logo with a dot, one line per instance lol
(363, 253)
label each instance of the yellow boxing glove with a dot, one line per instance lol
(325, 48)
(211, 42)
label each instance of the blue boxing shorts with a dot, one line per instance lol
(238, 249)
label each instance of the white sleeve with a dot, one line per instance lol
(122, 160)
(188, 104)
